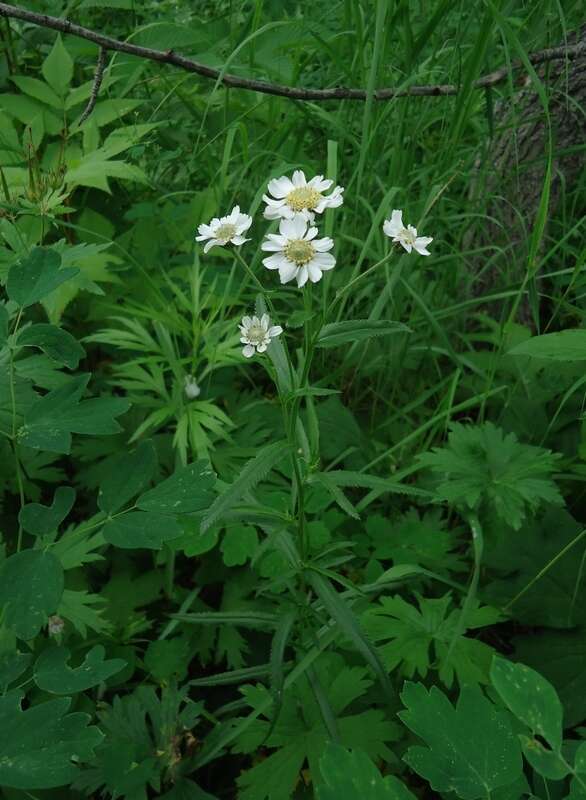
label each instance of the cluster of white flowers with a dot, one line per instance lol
(296, 252)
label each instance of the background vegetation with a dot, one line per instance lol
(165, 632)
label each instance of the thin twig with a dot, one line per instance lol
(98, 77)
(294, 93)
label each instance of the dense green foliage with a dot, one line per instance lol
(350, 567)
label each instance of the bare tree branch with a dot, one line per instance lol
(294, 93)
(98, 77)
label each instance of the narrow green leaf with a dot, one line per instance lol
(37, 276)
(186, 491)
(342, 614)
(357, 330)
(253, 472)
(53, 674)
(4, 323)
(40, 520)
(31, 585)
(55, 342)
(245, 619)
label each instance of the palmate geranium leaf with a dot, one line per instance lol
(418, 638)
(483, 465)
(52, 419)
(31, 586)
(471, 749)
(55, 342)
(53, 674)
(41, 747)
(37, 276)
(351, 775)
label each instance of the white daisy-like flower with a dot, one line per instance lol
(224, 230)
(296, 195)
(406, 236)
(256, 334)
(191, 388)
(297, 253)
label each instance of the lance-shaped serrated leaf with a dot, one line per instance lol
(37, 276)
(40, 520)
(53, 674)
(351, 775)
(568, 345)
(31, 585)
(41, 747)
(186, 491)
(252, 472)
(53, 418)
(356, 330)
(129, 474)
(59, 345)
(531, 698)
(471, 749)
(139, 529)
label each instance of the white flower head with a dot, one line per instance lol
(406, 236)
(256, 334)
(225, 230)
(296, 195)
(191, 388)
(297, 253)
(55, 625)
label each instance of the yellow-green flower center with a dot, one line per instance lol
(256, 334)
(225, 232)
(299, 251)
(302, 198)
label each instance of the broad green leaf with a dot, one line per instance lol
(531, 698)
(351, 775)
(53, 674)
(37, 89)
(252, 472)
(41, 520)
(128, 475)
(568, 345)
(4, 322)
(55, 342)
(31, 585)
(40, 747)
(240, 543)
(471, 749)
(186, 491)
(357, 330)
(168, 659)
(547, 762)
(37, 276)
(57, 68)
(52, 419)
(12, 665)
(138, 529)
